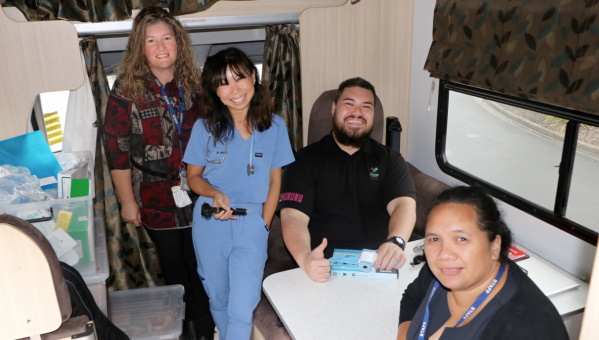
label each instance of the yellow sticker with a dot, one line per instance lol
(64, 219)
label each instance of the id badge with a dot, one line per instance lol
(181, 197)
(183, 177)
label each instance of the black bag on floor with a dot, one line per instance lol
(83, 303)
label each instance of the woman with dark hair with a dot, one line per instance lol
(235, 156)
(469, 288)
(152, 107)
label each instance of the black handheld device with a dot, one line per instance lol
(208, 210)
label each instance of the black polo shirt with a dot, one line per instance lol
(344, 195)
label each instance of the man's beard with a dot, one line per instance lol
(344, 138)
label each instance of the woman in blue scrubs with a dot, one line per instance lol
(235, 157)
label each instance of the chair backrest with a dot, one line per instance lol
(427, 187)
(321, 122)
(34, 298)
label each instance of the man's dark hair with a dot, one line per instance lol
(355, 82)
(488, 216)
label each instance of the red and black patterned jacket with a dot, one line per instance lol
(142, 129)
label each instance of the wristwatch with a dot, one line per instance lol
(397, 241)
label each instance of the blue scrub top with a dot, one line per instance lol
(271, 150)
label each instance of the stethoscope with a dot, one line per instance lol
(250, 167)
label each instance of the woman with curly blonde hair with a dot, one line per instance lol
(134, 70)
(152, 108)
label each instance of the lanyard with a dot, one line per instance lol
(178, 119)
(470, 310)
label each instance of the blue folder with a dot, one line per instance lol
(31, 150)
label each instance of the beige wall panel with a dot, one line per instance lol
(36, 57)
(371, 39)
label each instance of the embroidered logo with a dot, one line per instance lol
(373, 173)
(291, 196)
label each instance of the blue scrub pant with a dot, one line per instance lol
(231, 257)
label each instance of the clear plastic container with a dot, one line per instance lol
(95, 274)
(148, 313)
(75, 215)
(100, 293)
(98, 270)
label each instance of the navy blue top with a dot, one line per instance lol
(439, 310)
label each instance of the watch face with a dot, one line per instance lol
(399, 242)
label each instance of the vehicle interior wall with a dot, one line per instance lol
(369, 39)
(562, 249)
(566, 251)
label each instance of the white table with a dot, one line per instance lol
(357, 308)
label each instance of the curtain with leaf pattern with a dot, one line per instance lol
(281, 74)
(132, 256)
(543, 50)
(99, 10)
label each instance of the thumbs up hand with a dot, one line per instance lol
(315, 265)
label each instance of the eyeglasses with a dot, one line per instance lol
(224, 155)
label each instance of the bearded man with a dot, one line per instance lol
(347, 191)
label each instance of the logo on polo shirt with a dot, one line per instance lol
(291, 197)
(373, 173)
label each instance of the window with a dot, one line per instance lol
(54, 109)
(539, 158)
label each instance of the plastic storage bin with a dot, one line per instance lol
(97, 271)
(76, 216)
(148, 313)
(99, 292)
(73, 215)
(95, 274)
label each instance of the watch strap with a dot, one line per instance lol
(400, 243)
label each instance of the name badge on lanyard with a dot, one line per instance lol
(180, 194)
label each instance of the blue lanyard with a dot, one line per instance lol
(470, 310)
(178, 119)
